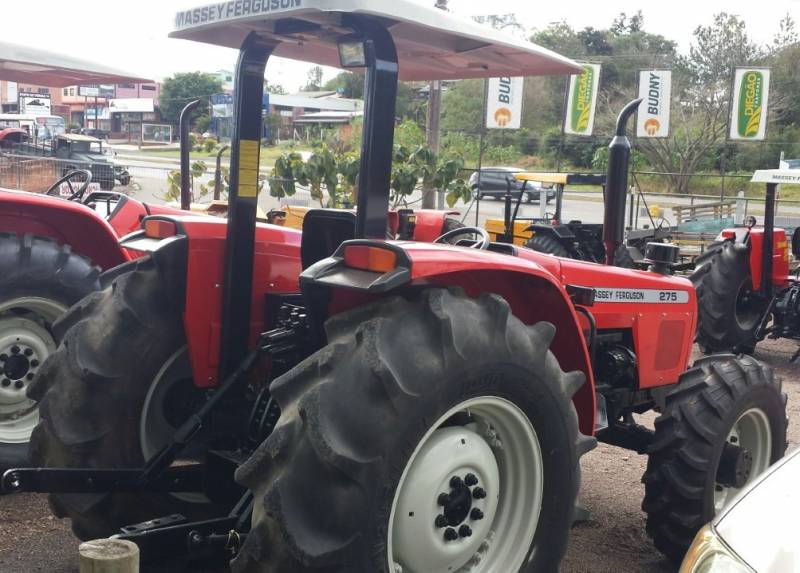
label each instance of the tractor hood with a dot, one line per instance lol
(431, 44)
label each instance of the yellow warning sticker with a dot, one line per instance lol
(248, 168)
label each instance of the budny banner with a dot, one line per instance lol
(504, 103)
(749, 104)
(652, 119)
(582, 101)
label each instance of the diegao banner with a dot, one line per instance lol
(749, 104)
(504, 103)
(582, 101)
(652, 119)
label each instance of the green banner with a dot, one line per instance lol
(749, 104)
(581, 101)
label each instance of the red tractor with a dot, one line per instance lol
(744, 287)
(403, 406)
(52, 251)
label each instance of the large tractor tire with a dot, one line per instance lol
(547, 244)
(39, 280)
(429, 435)
(728, 313)
(723, 425)
(112, 394)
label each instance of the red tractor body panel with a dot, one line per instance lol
(66, 222)
(780, 258)
(659, 310)
(276, 270)
(430, 224)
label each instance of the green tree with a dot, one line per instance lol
(182, 88)
(314, 79)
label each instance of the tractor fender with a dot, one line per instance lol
(66, 222)
(430, 224)
(529, 285)
(197, 268)
(561, 232)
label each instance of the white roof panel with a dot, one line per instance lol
(431, 43)
(39, 67)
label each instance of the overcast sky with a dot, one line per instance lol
(132, 34)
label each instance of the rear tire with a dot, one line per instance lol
(332, 489)
(115, 345)
(545, 243)
(39, 280)
(719, 399)
(728, 316)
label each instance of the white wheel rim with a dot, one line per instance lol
(25, 342)
(753, 432)
(500, 448)
(154, 429)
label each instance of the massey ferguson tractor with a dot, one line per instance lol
(53, 247)
(338, 402)
(744, 287)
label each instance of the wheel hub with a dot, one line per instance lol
(448, 501)
(23, 346)
(735, 466)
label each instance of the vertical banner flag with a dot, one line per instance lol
(582, 101)
(652, 119)
(504, 103)
(749, 104)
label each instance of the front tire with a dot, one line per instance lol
(721, 404)
(728, 313)
(39, 280)
(363, 493)
(120, 346)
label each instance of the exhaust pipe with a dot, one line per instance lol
(186, 183)
(619, 154)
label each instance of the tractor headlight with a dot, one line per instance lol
(709, 554)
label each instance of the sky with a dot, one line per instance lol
(133, 34)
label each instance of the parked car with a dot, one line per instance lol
(757, 531)
(92, 132)
(494, 182)
(86, 151)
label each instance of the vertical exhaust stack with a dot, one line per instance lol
(619, 154)
(186, 182)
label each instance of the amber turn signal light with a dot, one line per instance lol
(370, 258)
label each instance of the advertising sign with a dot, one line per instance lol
(221, 105)
(582, 101)
(652, 118)
(33, 103)
(749, 104)
(504, 103)
(95, 90)
(135, 105)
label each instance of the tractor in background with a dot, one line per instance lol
(745, 290)
(574, 239)
(398, 405)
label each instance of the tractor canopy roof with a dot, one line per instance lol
(431, 43)
(39, 67)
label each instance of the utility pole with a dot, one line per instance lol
(432, 132)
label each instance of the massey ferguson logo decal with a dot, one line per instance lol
(751, 103)
(233, 9)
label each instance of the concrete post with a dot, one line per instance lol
(741, 208)
(109, 556)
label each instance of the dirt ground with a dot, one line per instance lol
(613, 540)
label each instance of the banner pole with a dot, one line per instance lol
(480, 147)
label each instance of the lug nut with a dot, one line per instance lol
(471, 479)
(15, 349)
(443, 499)
(34, 363)
(479, 493)
(441, 521)
(29, 376)
(450, 534)
(19, 384)
(476, 514)
(5, 382)
(3, 357)
(464, 531)
(456, 481)
(28, 352)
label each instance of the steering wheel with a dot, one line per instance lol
(54, 189)
(482, 243)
